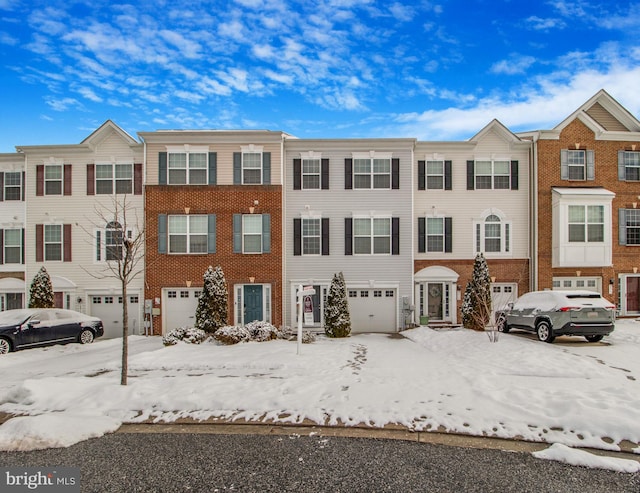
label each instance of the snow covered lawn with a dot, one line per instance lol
(569, 392)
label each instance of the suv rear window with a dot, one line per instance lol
(589, 296)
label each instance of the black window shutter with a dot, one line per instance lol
(266, 168)
(348, 236)
(422, 185)
(448, 182)
(297, 174)
(297, 236)
(213, 168)
(395, 236)
(348, 174)
(422, 240)
(514, 175)
(22, 244)
(162, 168)
(1, 186)
(470, 175)
(324, 177)
(448, 236)
(24, 186)
(325, 235)
(395, 174)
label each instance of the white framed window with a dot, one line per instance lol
(311, 236)
(114, 177)
(252, 233)
(435, 175)
(577, 162)
(188, 233)
(251, 168)
(586, 224)
(631, 163)
(13, 185)
(435, 234)
(311, 173)
(372, 172)
(632, 220)
(492, 174)
(493, 235)
(187, 168)
(53, 179)
(12, 246)
(110, 241)
(371, 236)
(52, 242)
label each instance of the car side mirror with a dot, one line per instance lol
(510, 305)
(33, 322)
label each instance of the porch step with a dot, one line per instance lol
(444, 326)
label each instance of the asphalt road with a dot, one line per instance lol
(161, 462)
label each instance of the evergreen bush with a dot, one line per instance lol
(212, 309)
(337, 322)
(41, 291)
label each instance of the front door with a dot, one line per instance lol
(435, 298)
(252, 303)
(633, 293)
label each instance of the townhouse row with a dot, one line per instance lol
(403, 219)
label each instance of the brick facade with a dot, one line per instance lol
(606, 176)
(174, 270)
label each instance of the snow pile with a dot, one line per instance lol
(562, 453)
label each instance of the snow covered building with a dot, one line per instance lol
(348, 208)
(71, 227)
(470, 197)
(12, 213)
(585, 193)
(213, 198)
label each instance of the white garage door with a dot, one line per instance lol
(502, 294)
(372, 310)
(108, 308)
(179, 307)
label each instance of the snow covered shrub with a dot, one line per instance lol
(476, 306)
(232, 334)
(186, 334)
(337, 322)
(308, 337)
(212, 310)
(41, 291)
(288, 334)
(261, 331)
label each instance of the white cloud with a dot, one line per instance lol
(7, 39)
(188, 48)
(517, 64)
(540, 24)
(278, 77)
(88, 93)
(402, 12)
(63, 104)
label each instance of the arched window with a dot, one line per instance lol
(493, 234)
(113, 236)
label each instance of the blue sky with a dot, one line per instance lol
(436, 70)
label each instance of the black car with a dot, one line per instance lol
(33, 327)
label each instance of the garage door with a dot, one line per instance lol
(108, 308)
(502, 294)
(179, 307)
(372, 310)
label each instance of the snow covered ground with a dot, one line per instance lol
(571, 392)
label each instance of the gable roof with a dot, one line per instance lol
(602, 113)
(104, 130)
(499, 128)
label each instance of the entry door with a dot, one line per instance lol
(435, 300)
(252, 303)
(633, 291)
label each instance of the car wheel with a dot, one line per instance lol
(5, 346)
(545, 332)
(597, 338)
(86, 337)
(503, 326)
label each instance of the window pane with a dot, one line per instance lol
(362, 181)
(576, 233)
(12, 255)
(501, 168)
(435, 226)
(435, 182)
(252, 176)
(198, 224)
(12, 179)
(12, 237)
(576, 157)
(381, 181)
(104, 186)
(53, 251)
(576, 214)
(492, 245)
(576, 172)
(252, 243)
(311, 245)
(502, 182)
(53, 188)
(382, 165)
(595, 214)
(362, 166)
(104, 171)
(52, 233)
(198, 160)
(252, 160)
(124, 171)
(483, 182)
(198, 243)
(252, 224)
(311, 182)
(311, 227)
(177, 224)
(382, 226)
(382, 244)
(483, 167)
(362, 245)
(435, 244)
(362, 227)
(177, 243)
(198, 177)
(435, 167)
(311, 166)
(123, 186)
(53, 172)
(595, 233)
(177, 176)
(177, 160)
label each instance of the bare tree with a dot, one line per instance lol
(121, 231)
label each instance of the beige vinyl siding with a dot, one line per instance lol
(337, 204)
(466, 206)
(83, 212)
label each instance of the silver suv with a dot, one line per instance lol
(554, 313)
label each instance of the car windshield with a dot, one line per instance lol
(14, 316)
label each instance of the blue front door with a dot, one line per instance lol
(252, 303)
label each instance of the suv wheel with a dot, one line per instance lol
(596, 338)
(502, 324)
(545, 332)
(5, 346)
